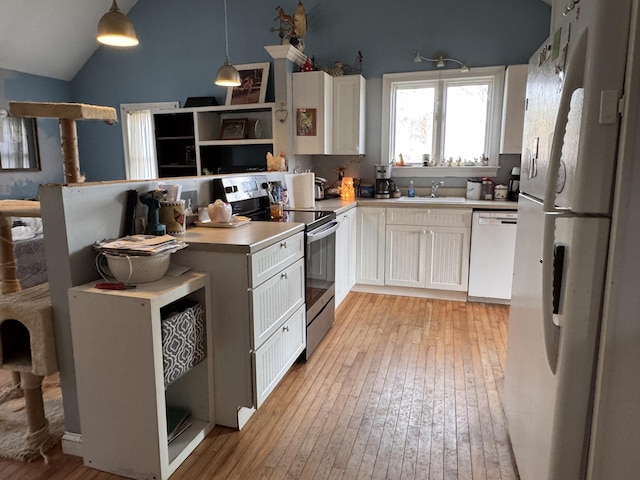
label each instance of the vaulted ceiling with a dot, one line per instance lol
(50, 38)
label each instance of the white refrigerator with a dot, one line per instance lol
(565, 378)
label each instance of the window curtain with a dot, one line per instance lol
(14, 143)
(142, 162)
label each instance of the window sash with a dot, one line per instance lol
(492, 77)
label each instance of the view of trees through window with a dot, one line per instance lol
(414, 125)
(445, 119)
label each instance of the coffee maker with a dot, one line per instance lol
(383, 187)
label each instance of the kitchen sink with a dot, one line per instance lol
(432, 199)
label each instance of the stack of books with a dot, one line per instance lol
(178, 420)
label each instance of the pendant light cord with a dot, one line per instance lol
(226, 34)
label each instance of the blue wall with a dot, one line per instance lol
(15, 86)
(182, 46)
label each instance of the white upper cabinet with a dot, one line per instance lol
(515, 86)
(329, 114)
(313, 111)
(349, 94)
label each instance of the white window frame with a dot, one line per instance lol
(495, 77)
(125, 108)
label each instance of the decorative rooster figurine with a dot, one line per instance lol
(296, 25)
(300, 20)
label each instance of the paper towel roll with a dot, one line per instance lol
(300, 188)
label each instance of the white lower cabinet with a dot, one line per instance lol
(428, 248)
(345, 254)
(259, 319)
(119, 356)
(406, 258)
(279, 351)
(448, 258)
(370, 245)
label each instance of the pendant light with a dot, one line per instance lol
(227, 75)
(115, 29)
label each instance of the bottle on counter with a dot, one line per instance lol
(411, 191)
(514, 184)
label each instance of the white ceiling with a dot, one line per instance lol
(51, 38)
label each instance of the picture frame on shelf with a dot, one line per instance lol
(253, 84)
(233, 128)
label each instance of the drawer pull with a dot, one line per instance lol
(285, 328)
(283, 244)
(284, 275)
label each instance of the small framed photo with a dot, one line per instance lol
(306, 122)
(233, 128)
(253, 84)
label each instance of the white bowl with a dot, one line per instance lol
(138, 268)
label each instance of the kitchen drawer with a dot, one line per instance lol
(275, 300)
(279, 352)
(265, 263)
(450, 217)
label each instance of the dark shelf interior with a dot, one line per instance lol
(175, 144)
(234, 159)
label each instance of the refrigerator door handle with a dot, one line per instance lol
(558, 271)
(573, 81)
(551, 330)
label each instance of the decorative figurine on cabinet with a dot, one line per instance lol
(292, 27)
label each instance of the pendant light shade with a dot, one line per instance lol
(115, 29)
(227, 75)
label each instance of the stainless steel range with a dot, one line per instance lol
(249, 196)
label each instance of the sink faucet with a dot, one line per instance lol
(434, 188)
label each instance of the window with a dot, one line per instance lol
(139, 140)
(447, 115)
(18, 143)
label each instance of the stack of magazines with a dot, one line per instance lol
(140, 245)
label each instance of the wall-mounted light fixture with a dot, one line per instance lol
(115, 29)
(440, 61)
(227, 75)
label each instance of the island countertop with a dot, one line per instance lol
(247, 238)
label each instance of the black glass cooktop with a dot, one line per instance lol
(311, 218)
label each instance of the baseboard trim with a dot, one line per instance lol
(500, 301)
(411, 292)
(72, 444)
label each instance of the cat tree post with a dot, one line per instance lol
(32, 309)
(67, 114)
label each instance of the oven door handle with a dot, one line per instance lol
(322, 232)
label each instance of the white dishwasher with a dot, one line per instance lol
(493, 242)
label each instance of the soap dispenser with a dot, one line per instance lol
(411, 192)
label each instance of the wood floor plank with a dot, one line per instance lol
(401, 388)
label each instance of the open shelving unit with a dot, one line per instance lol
(198, 132)
(122, 397)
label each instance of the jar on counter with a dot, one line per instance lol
(487, 189)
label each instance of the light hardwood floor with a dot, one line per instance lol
(401, 388)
